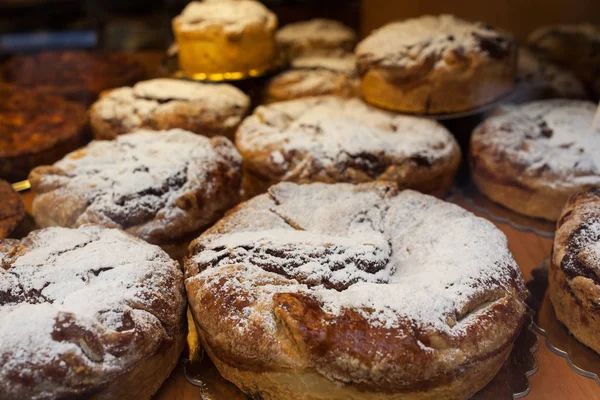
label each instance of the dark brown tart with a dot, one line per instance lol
(36, 129)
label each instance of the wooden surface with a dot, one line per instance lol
(554, 379)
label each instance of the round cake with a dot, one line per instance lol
(12, 210)
(573, 46)
(532, 157)
(88, 313)
(538, 79)
(574, 278)
(227, 36)
(36, 129)
(159, 186)
(315, 76)
(331, 139)
(373, 294)
(77, 75)
(159, 104)
(436, 64)
(316, 36)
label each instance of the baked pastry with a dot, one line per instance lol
(159, 104)
(88, 313)
(35, 129)
(436, 64)
(363, 297)
(229, 36)
(315, 76)
(539, 79)
(317, 36)
(78, 75)
(574, 278)
(331, 139)
(159, 186)
(574, 46)
(12, 210)
(532, 157)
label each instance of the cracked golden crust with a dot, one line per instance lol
(307, 352)
(573, 283)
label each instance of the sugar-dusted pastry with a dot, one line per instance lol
(315, 75)
(339, 291)
(539, 79)
(228, 36)
(160, 186)
(332, 139)
(436, 64)
(159, 104)
(316, 36)
(574, 46)
(531, 158)
(574, 278)
(88, 313)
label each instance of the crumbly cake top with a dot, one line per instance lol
(133, 105)
(332, 132)
(31, 122)
(552, 140)
(233, 16)
(79, 305)
(392, 257)
(345, 63)
(144, 182)
(431, 39)
(318, 29)
(537, 74)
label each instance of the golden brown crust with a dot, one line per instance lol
(77, 75)
(330, 139)
(315, 76)
(12, 210)
(574, 279)
(455, 67)
(225, 37)
(532, 157)
(90, 313)
(36, 129)
(162, 104)
(316, 36)
(279, 325)
(160, 186)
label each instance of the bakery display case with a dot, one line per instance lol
(290, 199)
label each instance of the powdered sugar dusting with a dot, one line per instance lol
(345, 63)
(391, 257)
(138, 106)
(233, 16)
(552, 139)
(429, 37)
(332, 130)
(135, 181)
(317, 29)
(76, 296)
